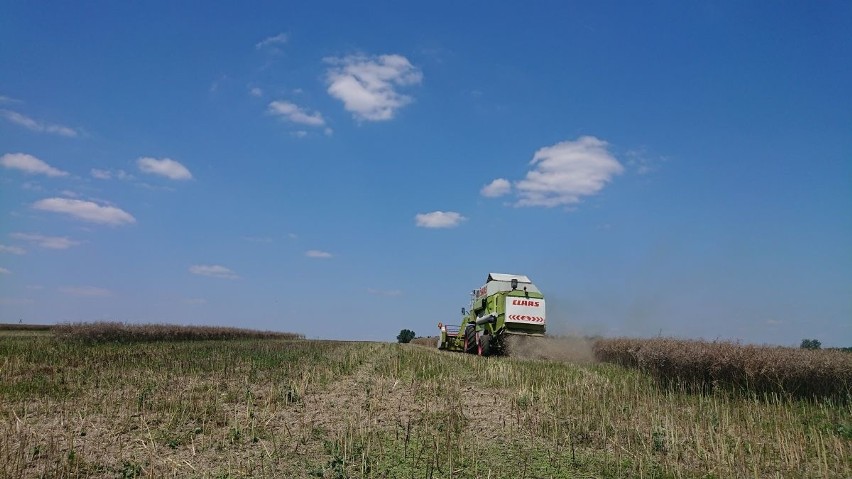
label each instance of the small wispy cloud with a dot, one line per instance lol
(273, 41)
(439, 219)
(164, 167)
(29, 164)
(85, 291)
(256, 92)
(218, 83)
(100, 174)
(5, 271)
(315, 253)
(36, 125)
(498, 187)
(85, 210)
(49, 242)
(638, 160)
(110, 174)
(367, 85)
(296, 114)
(213, 271)
(12, 250)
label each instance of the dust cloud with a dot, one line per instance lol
(555, 348)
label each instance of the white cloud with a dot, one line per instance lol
(498, 187)
(101, 174)
(567, 171)
(85, 210)
(314, 253)
(213, 271)
(276, 40)
(50, 242)
(36, 125)
(166, 167)
(109, 174)
(12, 249)
(29, 165)
(367, 84)
(6, 99)
(256, 92)
(296, 114)
(639, 161)
(90, 291)
(439, 219)
(5, 271)
(299, 134)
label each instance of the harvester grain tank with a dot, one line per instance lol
(508, 310)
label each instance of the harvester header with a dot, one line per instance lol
(505, 310)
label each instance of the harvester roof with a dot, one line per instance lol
(507, 277)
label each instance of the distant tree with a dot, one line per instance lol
(811, 344)
(405, 336)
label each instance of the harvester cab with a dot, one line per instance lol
(503, 313)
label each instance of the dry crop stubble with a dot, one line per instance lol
(264, 408)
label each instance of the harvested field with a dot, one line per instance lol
(295, 408)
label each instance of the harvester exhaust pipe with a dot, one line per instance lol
(486, 319)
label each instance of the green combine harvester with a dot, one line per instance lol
(504, 314)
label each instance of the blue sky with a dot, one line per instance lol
(346, 170)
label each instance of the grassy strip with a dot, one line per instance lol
(761, 370)
(130, 333)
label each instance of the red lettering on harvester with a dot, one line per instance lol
(524, 302)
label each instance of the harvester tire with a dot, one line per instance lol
(485, 345)
(470, 345)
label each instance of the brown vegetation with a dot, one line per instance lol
(24, 327)
(425, 341)
(127, 333)
(760, 370)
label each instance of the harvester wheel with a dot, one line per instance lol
(470, 345)
(485, 345)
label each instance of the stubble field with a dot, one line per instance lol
(297, 408)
